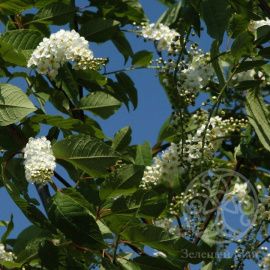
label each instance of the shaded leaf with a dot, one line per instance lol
(142, 58)
(126, 181)
(216, 14)
(128, 87)
(242, 45)
(54, 13)
(70, 213)
(171, 15)
(258, 117)
(99, 29)
(154, 263)
(159, 239)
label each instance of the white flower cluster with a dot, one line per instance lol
(254, 25)
(39, 160)
(193, 74)
(62, 47)
(166, 38)
(249, 75)
(5, 255)
(197, 73)
(165, 168)
(266, 262)
(240, 191)
(168, 224)
(172, 162)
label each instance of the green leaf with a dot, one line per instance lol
(14, 6)
(100, 103)
(88, 127)
(10, 55)
(10, 265)
(122, 139)
(166, 131)
(66, 81)
(265, 52)
(87, 153)
(258, 117)
(29, 234)
(69, 211)
(124, 11)
(26, 206)
(14, 104)
(22, 39)
(127, 264)
(263, 35)
(144, 155)
(160, 239)
(247, 65)
(167, 2)
(128, 87)
(208, 266)
(243, 45)
(215, 62)
(54, 13)
(123, 46)
(238, 24)
(91, 76)
(245, 85)
(125, 182)
(142, 58)
(171, 15)
(9, 227)
(99, 29)
(139, 204)
(216, 14)
(154, 263)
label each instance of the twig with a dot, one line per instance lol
(129, 69)
(61, 179)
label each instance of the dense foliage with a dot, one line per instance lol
(126, 206)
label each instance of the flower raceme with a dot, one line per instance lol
(166, 38)
(60, 48)
(173, 162)
(39, 160)
(5, 255)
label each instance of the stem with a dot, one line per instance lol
(216, 105)
(61, 179)
(44, 194)
(115, 248)
(129, 69)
